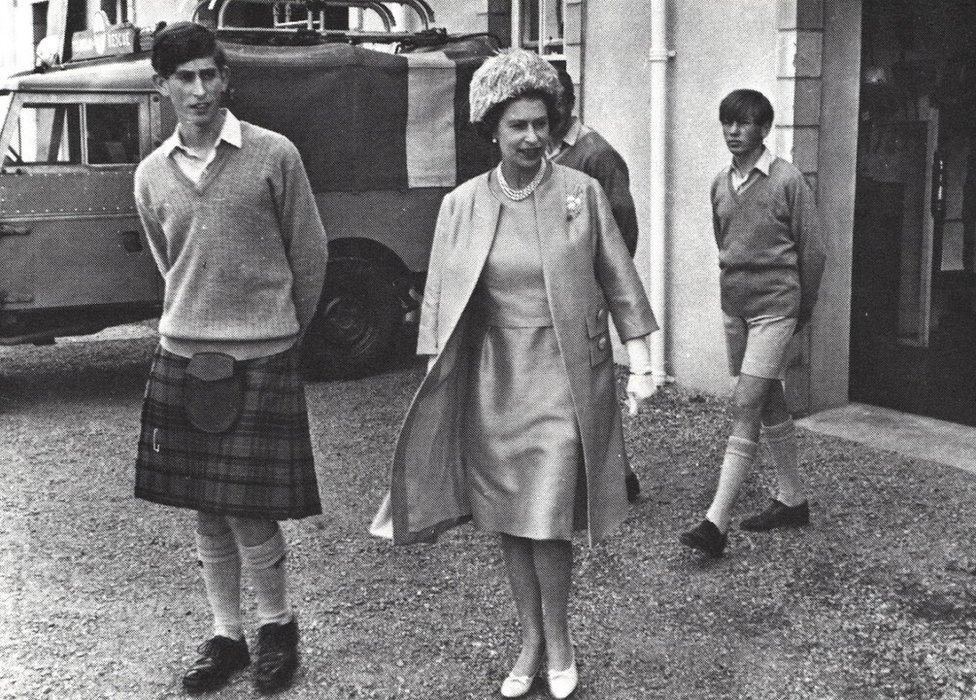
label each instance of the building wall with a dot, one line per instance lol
(148, 13)
(16, 36)
(740, 51)
(615, 53)
(830, 342)
(466, 17)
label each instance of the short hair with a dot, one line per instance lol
(488, 124)
(569, 90)
(184, 41)
(746, 106)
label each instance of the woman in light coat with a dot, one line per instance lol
(517, 424)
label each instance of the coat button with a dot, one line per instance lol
(602, 344)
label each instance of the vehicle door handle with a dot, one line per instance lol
(130, 241)
(16, 229)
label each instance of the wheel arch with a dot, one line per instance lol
(368, 249)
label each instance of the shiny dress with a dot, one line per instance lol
(522, 448)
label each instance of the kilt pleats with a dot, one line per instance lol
(261, 467)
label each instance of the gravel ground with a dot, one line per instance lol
(100, 598)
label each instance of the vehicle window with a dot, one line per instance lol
(46, 134)
(112, 133)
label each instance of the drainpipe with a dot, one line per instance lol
(659, 57)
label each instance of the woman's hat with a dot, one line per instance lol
(509, 74)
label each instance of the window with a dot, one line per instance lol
(46, 134)
(117, 11)
(112, 132)
(52, 135)
(539, 25)
(39, 21)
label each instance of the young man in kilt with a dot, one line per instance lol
(233, 226)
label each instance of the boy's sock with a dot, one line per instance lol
(781, 439)
(739, 455)
(220, 566)
(265, 565)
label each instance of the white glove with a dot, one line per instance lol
(640, 388)
(430, 362)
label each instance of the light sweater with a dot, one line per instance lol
(191, 162)
(770, 243)
(242, 252)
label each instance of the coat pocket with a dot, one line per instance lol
(599, 336)
(596, 322)
(599, 349)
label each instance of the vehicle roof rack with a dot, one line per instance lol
(287, 29)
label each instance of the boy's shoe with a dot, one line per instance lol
(778, 514)
(220, 658)
(275, 656)
(705, 537)
(633, 487)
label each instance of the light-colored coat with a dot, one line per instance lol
(587, 273)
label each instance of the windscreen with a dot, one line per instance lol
(5, 99)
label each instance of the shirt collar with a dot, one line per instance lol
(763, 164)
(230, 133)
(573, 132)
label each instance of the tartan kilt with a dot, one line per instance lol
(261, 467)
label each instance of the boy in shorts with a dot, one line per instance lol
(233, 226)
(771, 259)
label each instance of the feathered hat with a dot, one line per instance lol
(512, 72)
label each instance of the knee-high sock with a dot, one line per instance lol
(265, 564)
(739, 455)
(781, 440)
(220, 565)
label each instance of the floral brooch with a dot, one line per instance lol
(574, 204)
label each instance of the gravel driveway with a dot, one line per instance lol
(100, 597)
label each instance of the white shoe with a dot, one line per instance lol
(563, 683)
(516, 686)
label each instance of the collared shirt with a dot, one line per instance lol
(741, 181)
(192, 163)
(576, 130)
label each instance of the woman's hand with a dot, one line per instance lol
(640, 388)
(640, 385)
(431, 359)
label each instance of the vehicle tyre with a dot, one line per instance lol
(358, 321)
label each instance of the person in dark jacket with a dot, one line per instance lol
(579, 147)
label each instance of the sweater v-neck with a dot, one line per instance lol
(210, 173)
(739, 197)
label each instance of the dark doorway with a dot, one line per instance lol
(913, 305)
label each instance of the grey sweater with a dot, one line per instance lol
(242, 253)
(770, 244)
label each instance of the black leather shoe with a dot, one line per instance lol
(220, 658)
(633, 487)
(275, 657)
(778, 514)
(705, 537)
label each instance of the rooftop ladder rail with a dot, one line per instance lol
(217, 10)
(384, 13)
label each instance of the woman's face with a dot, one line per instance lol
(523, 132)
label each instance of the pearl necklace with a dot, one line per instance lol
(519, 195)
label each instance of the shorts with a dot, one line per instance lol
(759, 346)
